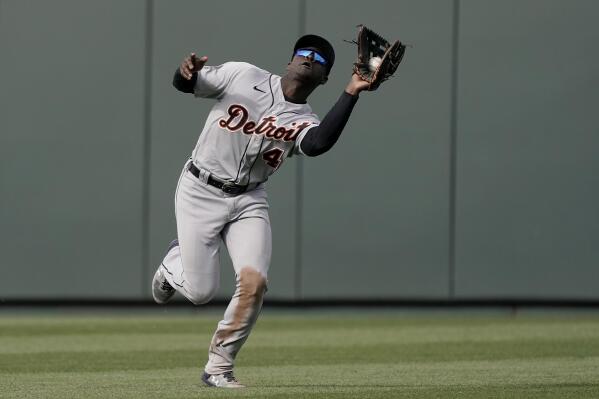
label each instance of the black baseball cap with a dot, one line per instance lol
(318, 43)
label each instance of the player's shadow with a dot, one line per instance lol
(321, 386)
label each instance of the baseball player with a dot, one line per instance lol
(258, 120)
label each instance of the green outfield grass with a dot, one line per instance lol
(304, 355)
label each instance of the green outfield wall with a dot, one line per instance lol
(473, 174)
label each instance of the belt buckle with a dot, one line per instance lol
(229, 188)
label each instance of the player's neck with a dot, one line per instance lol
(295, 91)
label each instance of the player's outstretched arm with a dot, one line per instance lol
(323, 137)
(356, 85)
(186, 75)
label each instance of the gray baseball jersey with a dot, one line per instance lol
(251, 129)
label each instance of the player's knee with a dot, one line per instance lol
(252, 284)
(200, 297)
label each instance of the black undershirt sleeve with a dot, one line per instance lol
(184, 85)
(321, 138)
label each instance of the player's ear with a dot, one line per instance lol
(324, 80)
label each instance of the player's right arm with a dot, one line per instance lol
(191, 64)
(186, 76)
(207, 81)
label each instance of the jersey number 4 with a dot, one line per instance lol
(273, 157)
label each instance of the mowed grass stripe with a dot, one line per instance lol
(369, 352)
(201, 324)
(264, 337)
(103, 343)
(23, 327)
(546, 378)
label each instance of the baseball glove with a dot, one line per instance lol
(377, 58)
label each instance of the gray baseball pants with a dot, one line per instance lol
(205, 216)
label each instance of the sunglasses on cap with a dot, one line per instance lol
(317, 56)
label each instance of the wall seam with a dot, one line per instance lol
(147, 150)
(299, 185)
(453, 148)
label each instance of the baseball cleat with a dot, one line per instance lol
(224, 380)
(162, 291)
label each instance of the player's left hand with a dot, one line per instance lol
(356, 85)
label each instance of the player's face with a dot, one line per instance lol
(308, 65)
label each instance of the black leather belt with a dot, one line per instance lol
(225, 186)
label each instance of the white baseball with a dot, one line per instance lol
(374, 63)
